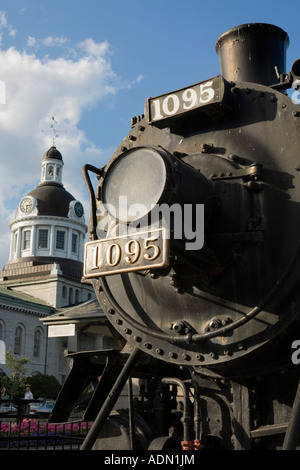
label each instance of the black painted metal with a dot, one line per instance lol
(110, 400)
(250, 53)
(293, 430)
(226, 314)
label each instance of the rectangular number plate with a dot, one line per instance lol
(184, 100)
(134, 252)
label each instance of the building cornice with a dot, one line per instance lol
(19, 302)
(41, 219)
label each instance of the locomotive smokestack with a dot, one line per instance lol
(253, 53)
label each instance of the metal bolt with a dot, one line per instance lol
(207, 148)
(172, 355)
(186, 357)
(199, 357)
(154, 275)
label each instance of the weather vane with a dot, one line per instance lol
(53, 130)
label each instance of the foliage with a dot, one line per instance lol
(4, 382)
(44, 386)
(33, 431)
(16, 364)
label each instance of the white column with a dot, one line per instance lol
(52, 240)
(33, 240)
(18, 250)
(12, 244)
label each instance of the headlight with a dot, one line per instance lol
(140, 176)
(144, 178)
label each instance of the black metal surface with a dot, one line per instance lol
(110, 400)
(254, 203)
(293, 430)
(225, 314)
(86, 370)
(250, 53)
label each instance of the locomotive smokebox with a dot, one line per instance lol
(253, 53)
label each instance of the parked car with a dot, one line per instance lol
(7, 408)
(42, 409)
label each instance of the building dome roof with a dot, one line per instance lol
(53, 153)
(52, 199)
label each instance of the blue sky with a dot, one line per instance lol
(93, 64)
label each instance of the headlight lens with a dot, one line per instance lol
(136, 179)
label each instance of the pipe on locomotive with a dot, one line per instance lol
(253, 52)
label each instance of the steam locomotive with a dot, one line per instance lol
(193, 254)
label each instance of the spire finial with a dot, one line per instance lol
(53, 130)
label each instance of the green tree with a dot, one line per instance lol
(44, 386)
(16, 365)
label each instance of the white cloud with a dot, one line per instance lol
(51, 41)
(5, 26)
(36, 89)
(31, 41)
(3, 20)
(91, 48)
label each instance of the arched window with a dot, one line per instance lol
(18, 340)
(64, 292)
(71, 296)
(50, 172)
(37, 343)
(77, 296)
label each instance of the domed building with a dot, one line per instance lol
(47, 240)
